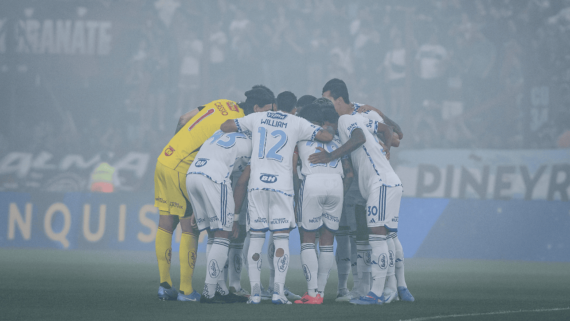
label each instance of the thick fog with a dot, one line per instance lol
(90, 77)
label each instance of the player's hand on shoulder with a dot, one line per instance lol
(387, 150)
(321, 157)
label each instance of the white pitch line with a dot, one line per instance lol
(480, 314)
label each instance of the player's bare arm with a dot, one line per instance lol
(348, 174)
(356, 140)
(397, 129)
(323, 136)
(395, 140)
(229, 126)
(186, 118)
(388, 134)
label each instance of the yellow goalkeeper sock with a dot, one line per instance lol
(188, 247)
(163, 247)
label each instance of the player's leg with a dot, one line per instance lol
(403, 291)
(163, 182)
(235, 262)
(348, 212)
(163, 248)
(188, 255)
(266, 294)
(332, 212)
(309, 262)
(390, 288)
(376, 218)
(363, 250)
(342, 259)
(281, 221)
(258, 207)
(221, 205)
(309, 212)
(188, 244)
(326, 259)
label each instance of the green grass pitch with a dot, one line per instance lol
(74, 285)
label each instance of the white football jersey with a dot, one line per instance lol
(222, 154)
(368, 160)
(370, 114)
(274, 137)
(307, 148)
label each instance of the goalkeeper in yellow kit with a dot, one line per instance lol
(170, 194)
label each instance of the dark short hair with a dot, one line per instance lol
(337, 88)
(305, 100)
(329, 114)
(258, 95)
(312, 113)
(286, 101)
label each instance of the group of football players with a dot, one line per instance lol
(319, 164)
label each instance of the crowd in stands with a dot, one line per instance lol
(455, 74)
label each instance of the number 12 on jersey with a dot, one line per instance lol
(274, 150)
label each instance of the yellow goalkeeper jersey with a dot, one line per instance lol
(179, 153)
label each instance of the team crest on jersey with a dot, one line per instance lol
(307, 272)
(201, 162)
(282, 263)
(276, 115)
(169, 151)
(268, 178)
(213, 269)
(232, 106)
(383, 261)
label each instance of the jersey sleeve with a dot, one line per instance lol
(307, 131)
(371, 114)
(348, 124)
(372, 126)
(245, 124)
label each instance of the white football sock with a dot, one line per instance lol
(255, 245)
(209, 245)
(399, 262)
(363, 266)
(222, 287)
(216, 260)
(270, 253)
(342, 258)
(390, 285)
(244, 252)
(310, 265)
(379, 262)
(281, 263)
(354, 260)
(326, 260)
(235, 264)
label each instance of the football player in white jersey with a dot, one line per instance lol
(270, 196)
(378, 183)
(320, 202)
(209, 188)
(355, 251)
